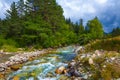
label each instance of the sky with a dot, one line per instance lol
(106, 10)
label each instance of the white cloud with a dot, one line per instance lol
(101, 1)
(86, 9)
(3, 7)
(107, 10)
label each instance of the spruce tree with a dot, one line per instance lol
(81, 27)
(12, 14)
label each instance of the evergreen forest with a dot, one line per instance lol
(41, 24)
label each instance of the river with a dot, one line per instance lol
(43, 68)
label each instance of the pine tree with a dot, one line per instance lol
(81, 29)
(21, 8)
(12, 14)
(14, 28)
(116, 31)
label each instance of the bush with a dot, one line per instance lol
(8, 45)
(9, 48)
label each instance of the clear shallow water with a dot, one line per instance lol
(43, 68)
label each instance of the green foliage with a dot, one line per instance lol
(84, 39)
(110, 44)
(104, 67)
(115, 32)
(8, 45)
(40, 23)
(12, 13)
(9, 48)
(81, 29)
(95, 28)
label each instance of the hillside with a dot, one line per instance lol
(100, 59)
(110, 44)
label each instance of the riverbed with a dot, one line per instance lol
(43, 67)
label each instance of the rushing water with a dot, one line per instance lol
(43, 68)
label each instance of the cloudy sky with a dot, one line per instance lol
(107, 10)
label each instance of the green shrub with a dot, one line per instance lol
(8, 45)
(110, 44)
(9, 48)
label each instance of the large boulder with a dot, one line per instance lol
(2, 76)
(60, 70)
(16, 67)
(73, 72)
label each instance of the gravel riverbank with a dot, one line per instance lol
(15, 60)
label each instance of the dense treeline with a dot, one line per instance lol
(41, 24)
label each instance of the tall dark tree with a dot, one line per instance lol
(116, 31)
(50, 11)
(21, 8)
(12, 14)
(81, 29)
(13, 22)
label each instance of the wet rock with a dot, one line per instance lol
(72, 69)
(80, 48)
(16, 78)
(9, 63)
(50, 75)
(31, 58)
(73, 72)
(15, 67)
(72, 63)
(2, 76)
(63, 77)
(3, 65)
(60, 70)
(2, 69)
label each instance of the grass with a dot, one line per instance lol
(9, 48)
(110, 44)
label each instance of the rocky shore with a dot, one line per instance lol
(15, 62)
(94, 65)
(98, 64)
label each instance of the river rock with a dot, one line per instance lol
(63, 77)
(98, 52)
(2, 76)
(73, 72)
(15, 67)
(90, 61)
(16, 78)
(60, 70)
(72, 63)
(2, 69)
(93, 56)
(78, 49)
